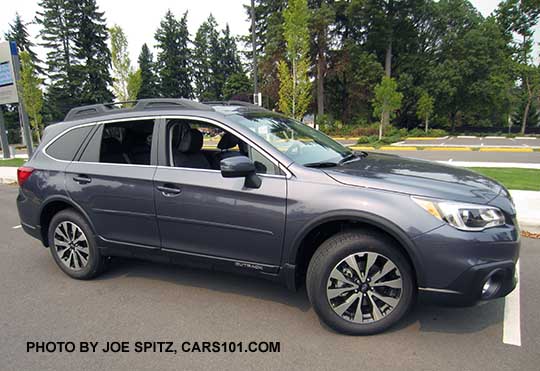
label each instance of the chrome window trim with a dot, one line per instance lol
(44, 150)
(281, 166)
(224, 127)
(172, 168)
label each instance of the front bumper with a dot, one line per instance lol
(456, 265)
(467, 289)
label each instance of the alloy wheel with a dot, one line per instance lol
(71, 245)
(364, 287)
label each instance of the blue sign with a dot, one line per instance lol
(5, 74)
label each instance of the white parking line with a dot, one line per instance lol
(16, 227)
(512, 322)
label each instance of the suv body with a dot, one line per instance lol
(280, 223)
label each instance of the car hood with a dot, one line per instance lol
(416, 177)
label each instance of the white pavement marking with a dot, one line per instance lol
(512, 323)
(16, 227)
(466, 136)
(533, 138)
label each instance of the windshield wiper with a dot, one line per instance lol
(321, 164)
(352, 157)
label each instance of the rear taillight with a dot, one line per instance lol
(23, 173)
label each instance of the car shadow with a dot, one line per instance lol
(427, 317)
(225, 282)
(455, 320)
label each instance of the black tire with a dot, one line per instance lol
(331, 253)
(95, 261)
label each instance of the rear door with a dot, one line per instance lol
(219, 217)
(112, 180)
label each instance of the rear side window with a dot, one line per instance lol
(128, 143)
(66, 146)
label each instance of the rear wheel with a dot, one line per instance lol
(73, 246)
(359, 283)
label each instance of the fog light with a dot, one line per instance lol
(491, 286)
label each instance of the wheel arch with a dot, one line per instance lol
(51, 207)
(318, 230)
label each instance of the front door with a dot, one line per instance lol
(201, 212)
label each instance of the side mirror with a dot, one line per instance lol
(240, 167)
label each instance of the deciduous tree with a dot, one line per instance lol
(30, 91)
(387, 100)
(295, 87)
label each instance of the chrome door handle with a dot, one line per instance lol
(169, 191)
(82, 179)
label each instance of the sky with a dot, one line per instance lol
(140, 22)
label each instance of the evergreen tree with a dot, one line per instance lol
(18, 33)
(205, 47)
(230, 60)
(237, 87)
(215, 59)
(58, 31)
(295, 87)
(92, 52)
(148, 88)
(173, 57)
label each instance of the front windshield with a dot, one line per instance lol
(299, 142)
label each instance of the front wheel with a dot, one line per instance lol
(73, 246)
(360, 283)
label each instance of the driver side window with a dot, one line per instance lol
(200, 145)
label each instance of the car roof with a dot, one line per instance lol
(148, 107)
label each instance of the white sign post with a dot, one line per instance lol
(8, 85)
(9, 75)
(8, 92)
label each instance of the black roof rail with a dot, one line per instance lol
(134, 106)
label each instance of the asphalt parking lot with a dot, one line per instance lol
(472, 156)
(150, 302)
(473, 141)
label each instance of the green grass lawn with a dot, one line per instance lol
(513, 178)
(16, 162)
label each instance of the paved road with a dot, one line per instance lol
(471, 156)
(150, 302)
(466, 141)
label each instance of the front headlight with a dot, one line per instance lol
(466, 217)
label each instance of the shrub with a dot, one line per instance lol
(417, 132)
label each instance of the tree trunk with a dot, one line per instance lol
(385, 118)
(320, 83)
(527, 107)
(525, 116)
(381, 127)
(427, 123)
(388, 60)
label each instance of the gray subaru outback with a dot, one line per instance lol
(231, 186)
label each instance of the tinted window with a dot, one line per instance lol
(216, 144)
(120, 142)
(65, 147)
(126, 142)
